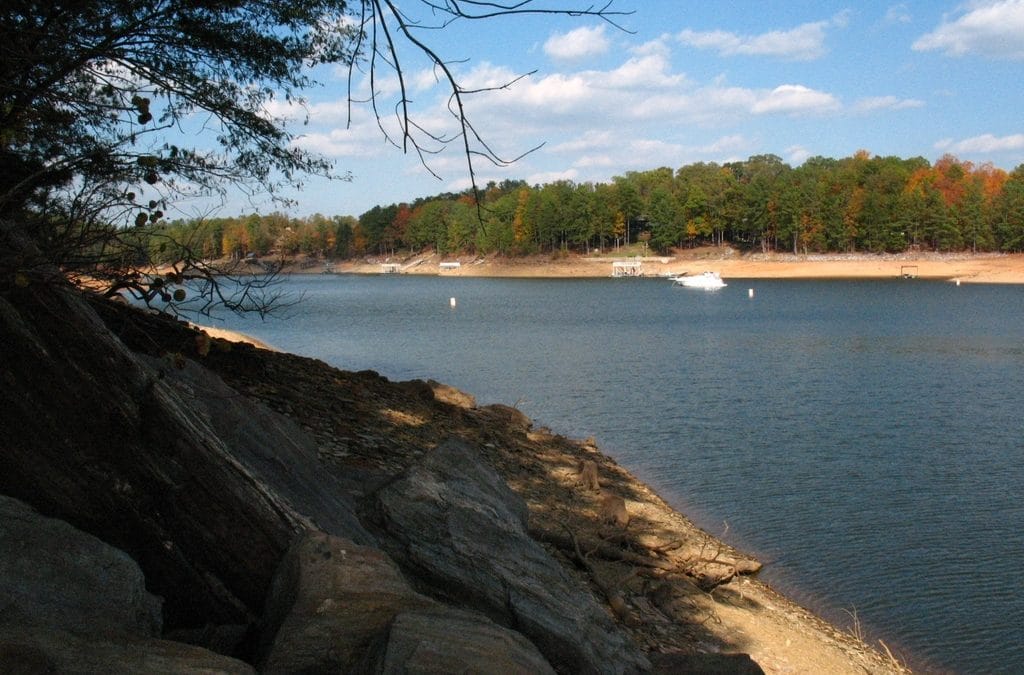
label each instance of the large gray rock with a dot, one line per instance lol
(139, 454)
(445, 640)
(452, 521)
(54, 575)
(270, 445)
(330, 598)
(35, 650)
(70, 603)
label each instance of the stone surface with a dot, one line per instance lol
(54, 575)
(330, 598)
(153, 458)
(273, 447)
(452, 521)
(707, 664)
(444, 640)
(33, 650)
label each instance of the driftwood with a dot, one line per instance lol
(569, 542)
(615, 599)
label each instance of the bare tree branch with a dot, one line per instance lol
(383, 22)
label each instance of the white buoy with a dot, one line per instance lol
(750, 292)
(957, 282)
(452, 302)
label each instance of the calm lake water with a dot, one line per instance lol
(864, 439)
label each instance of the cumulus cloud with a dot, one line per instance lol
(589, 141)
(596, 162)
(983, 144)
(723, 145)
(577, 44)
(795, 99)
(334, 143)
(875, 103)
(802, 43)
(543, 177)
(797, 154)
(630, 90)
(990, 29)
(652, 69)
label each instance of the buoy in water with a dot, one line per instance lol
(750, 292)
(452, 302)
(957, 282)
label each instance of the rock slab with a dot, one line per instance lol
(453, 521)
(52, 574)
(329, 599)
(444, 640)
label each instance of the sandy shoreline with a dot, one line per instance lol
(966, 268)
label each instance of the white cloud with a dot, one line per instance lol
(639, 113)
(795, 99)
(991, 29)
(649, 69)
(726, 144)
(898, 14)
(591, 140)
(556, 93)
(596, 162)
(657, 46)
(335, 143)
(543, 177)
(875, 103)
(803, 43)
(577, 44)
(486, 75)
(797, 154)
(985, 143)
(424, 80)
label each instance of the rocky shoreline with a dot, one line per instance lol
(285, 515)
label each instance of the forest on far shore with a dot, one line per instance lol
(861, 203)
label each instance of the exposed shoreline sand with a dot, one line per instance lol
(966, 268)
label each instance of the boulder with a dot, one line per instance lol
(330, 598)
(505, 415)
(453, 522)
(446, 640)
(70, 603)
(449, 394)
(32, 650)
(203, 488)
(278, 452)
(54, 575)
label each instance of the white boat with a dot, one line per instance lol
(707, 280)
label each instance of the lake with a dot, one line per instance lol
(865, 439)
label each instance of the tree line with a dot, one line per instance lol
(861, 203)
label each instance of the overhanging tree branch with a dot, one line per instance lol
(111, 112)
(382, 21)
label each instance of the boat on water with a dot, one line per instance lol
(707, 280)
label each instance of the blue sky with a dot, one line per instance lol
(694, 81)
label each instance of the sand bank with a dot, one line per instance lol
(234, 336)
(967, 268)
